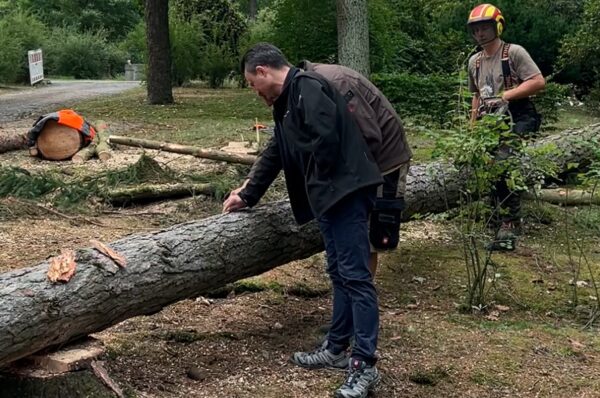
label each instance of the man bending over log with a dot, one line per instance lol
(331, 176)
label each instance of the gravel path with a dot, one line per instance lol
(35, 101)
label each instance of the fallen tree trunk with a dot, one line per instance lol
(11, 141)
(184, 261)
(184, 149)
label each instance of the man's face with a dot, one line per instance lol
(263, 83)
(483, 32)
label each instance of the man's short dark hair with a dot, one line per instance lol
(264, 54)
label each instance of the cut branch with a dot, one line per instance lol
(183, 149)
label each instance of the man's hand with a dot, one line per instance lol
(233, 203)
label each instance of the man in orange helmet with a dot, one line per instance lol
(503, 74)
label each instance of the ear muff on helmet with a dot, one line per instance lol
(485, 13)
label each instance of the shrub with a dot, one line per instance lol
(217, 63)
(19, 32)
(187, 43)
(81, 55)
(427, 98)
(134, 44)
(548, 102)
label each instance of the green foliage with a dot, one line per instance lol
(581, 49)
(67, 192)
(428, 98)
(421, 37)
(483, 154)
(114, 17)
(592, 99)
(19, 32)
(261, 30)
(548, 102)
(210, 50)
(187, 42)
(539, 26)
(134, 45)
(82, 55)
(217, 63)
(306, 29)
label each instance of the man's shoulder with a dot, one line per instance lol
(516, 50)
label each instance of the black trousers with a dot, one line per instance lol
(507, 203)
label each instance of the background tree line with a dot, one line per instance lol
(416, 46)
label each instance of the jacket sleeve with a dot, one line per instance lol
(262, 174)
(319, 130)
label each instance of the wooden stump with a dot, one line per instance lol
(58, 142)
(72, 371)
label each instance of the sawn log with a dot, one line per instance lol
(188, 260)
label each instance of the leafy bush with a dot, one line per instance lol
(427, 98)
(82, 55)
(187, 48)
(19, 32)
(135, 45)
(306, 30)
(592, 100)
(10, 55)
(217, 63)
(548, 102)
(221, 28)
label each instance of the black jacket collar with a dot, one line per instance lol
(280, 105)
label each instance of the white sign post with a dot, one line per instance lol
(36, 66)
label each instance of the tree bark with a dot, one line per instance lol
(353, 34)
(159, 52)
(184, 149)
(10, 141)
(190, 259)
(252, 9)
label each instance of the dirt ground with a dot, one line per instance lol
(524, 345)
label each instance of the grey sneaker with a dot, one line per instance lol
(320, 358)
(361, 379)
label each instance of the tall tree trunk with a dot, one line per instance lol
(159, 52)
(353, 34)
(252, 10)
(190, 259)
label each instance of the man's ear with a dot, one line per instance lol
(261, 71)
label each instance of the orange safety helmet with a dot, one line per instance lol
(488, 12)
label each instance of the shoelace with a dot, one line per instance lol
(353, 377)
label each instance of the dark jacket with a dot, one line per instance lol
(376, 117)
(318, 145)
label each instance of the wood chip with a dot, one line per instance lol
(62, 267)
(117, 257)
